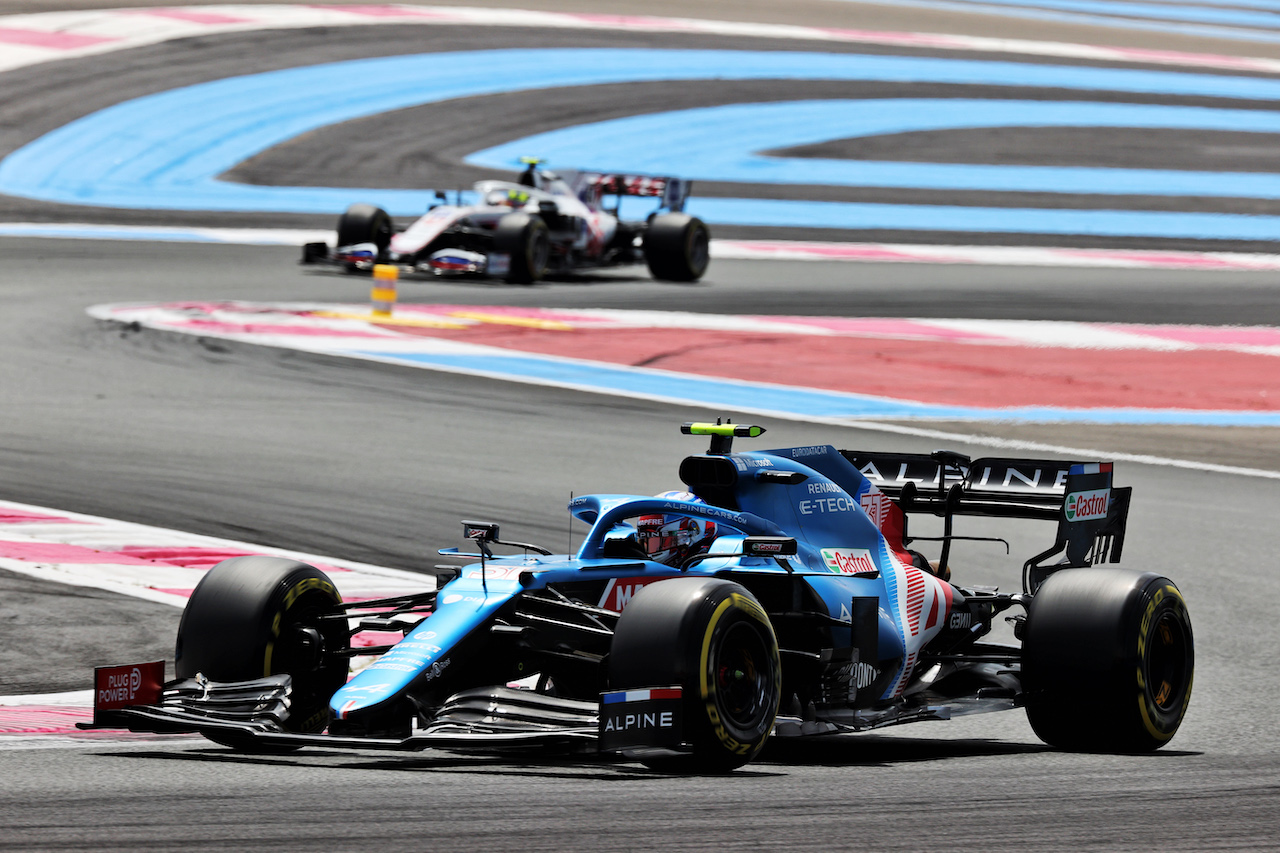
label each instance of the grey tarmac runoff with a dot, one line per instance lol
(377, 464)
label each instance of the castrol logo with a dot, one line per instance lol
(849, 561)
(1087, 506)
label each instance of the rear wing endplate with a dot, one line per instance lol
(1091, 512)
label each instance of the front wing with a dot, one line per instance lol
(501, 719)
(253, 711)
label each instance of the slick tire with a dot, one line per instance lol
(1108, 660)
(528, 240)
(251, 617)
(677, 247)
(364, 223)
(712, 638)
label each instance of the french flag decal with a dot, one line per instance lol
(641, 695)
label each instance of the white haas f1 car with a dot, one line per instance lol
(780, 596)
(521, 231)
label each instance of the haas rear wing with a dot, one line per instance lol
(672, 191)
(1091, 512)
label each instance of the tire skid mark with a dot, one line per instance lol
(797, 367)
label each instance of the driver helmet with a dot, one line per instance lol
(673, 538)
(505, 198)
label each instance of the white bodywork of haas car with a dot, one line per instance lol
(520, 231)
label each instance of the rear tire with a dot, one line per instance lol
(677, 247)
(364, 223)
(1108, 660)
(713, 639)
(528, 240)
(250, 617)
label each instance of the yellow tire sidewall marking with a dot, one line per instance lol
(295, 592)
(707, 691)
(1146, 626)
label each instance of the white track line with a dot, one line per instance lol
(141, 561)
(154, 563)
(1254, 340)
(767, 250)
(71, 699)
(45, 36)
(1058, 449)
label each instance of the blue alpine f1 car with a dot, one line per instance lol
(780, 595)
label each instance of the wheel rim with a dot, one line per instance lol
(743, 676)
(312, 657)
(540, 253)
(382, 234)
(1166, 667)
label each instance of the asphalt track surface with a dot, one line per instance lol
(378, 464)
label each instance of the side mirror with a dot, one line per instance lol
(777, 547)
(769, 546)
(480, 531)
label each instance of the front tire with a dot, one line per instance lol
(364, 223)
(677, 247)
(1108, 660)
(528, 240)
(250, 617)
(713, 639)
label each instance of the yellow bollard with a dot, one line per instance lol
(383, 294)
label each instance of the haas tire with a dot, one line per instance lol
(528, 240)
(364, 223)
(1108, 660)
(677, 247)
(251, 617)
(713, 639)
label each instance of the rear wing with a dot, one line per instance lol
(673, 192)
(1091, 512)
